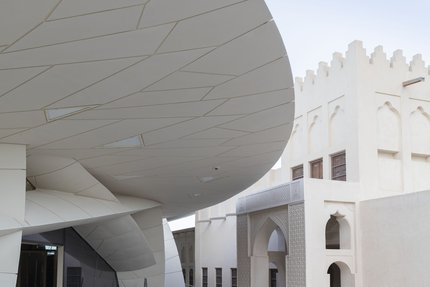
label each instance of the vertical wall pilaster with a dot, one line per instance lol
(296, 259)
(243, 260)
(12, 209)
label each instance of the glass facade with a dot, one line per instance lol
(83, 267)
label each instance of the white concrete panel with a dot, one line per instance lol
(77, 154)
(12, 156)
(55, 131)
(8, 132)
(64, 179)
(22, 120)
(273, 134)
(165, 11)
(250, 150)
(186, 80)
(39, 214)
(15, 20)
(38, 165)
(217, 27)
(97, 191)
(123, 244)
(64, 209)
(153, 235)
(132, 79)
(12, 193)
(114, 132)
(190, 109)
(158, 98)
(253, 103)
(139, 43)
(217, 133)
(70, 8)
(191, 143)
(263, 120)
(256, 81)
(7, 279)
(10, 248)
(77, 28)
(254, 49)
(59, 82)
(10, 79)
(183, 129)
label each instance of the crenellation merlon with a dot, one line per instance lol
(398, 60)
(323, 70)
(298, 84)
(379, 57)
(337, 61)
(417, 65)
(356, 52)
(310, 77)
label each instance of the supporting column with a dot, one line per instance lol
(259, 271)
(12, 209)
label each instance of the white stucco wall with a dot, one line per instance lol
(215, 248)
(395, 241)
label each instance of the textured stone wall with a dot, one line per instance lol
(296, 259)
(243, 260)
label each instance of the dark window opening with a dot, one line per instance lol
(233, 277)
(218, 277)
(273, 273)
(204, 277)
(338, 167)
(335, 275)
(317, 168)
(297, 172)
(332, 234)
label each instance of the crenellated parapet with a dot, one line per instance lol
(357, 55)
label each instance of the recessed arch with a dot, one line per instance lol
(389, 128)
(340, 275)
(315, 134)
(338, 232)
(337, 126)
(420, 131)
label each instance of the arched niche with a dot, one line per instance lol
(269, 248)
(269, 229)
(420, 132)
(337, 127)
(340, 275)
(295, 143)
(388, 128)
(315, 135)
(337, 232)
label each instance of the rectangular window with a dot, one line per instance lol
(204, 277)
(338, 166)
(233, 277)
(218, 277)
(317, 168)
(191, 277)
(297, 172)
(273, 273)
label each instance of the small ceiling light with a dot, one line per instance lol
(413, 81)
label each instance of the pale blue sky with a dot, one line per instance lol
(313, 29)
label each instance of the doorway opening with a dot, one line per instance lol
(38, 266)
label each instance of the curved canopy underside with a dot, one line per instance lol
(182, 102)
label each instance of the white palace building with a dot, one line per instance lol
(350, 205)
(117, 115)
